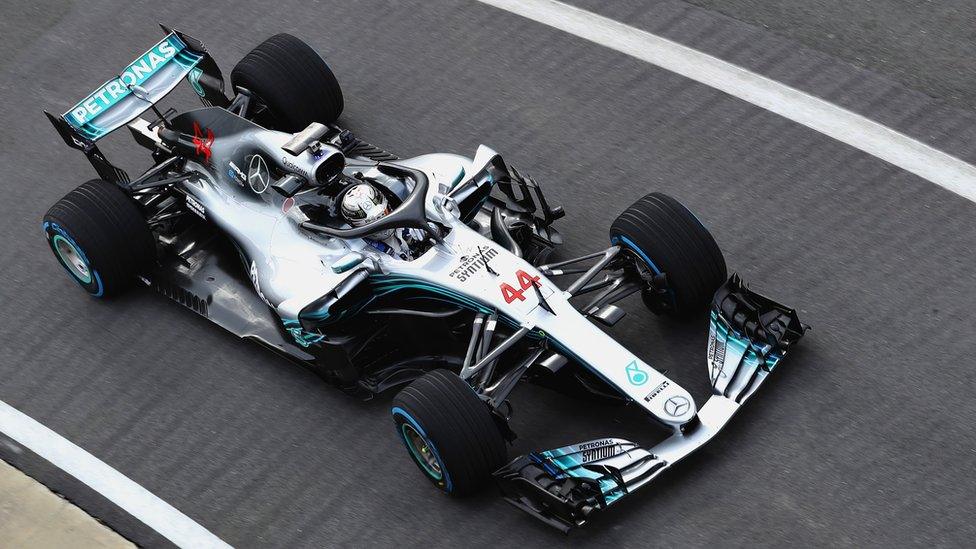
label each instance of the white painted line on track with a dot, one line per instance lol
(113, 485)
(841, 124)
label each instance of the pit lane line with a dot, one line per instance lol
(846, 126)
(113, 485)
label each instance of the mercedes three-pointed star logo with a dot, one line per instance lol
(257, 174)
(676, 406)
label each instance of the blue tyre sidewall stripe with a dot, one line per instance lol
(636, 249)
(630, 244)
(397, 411)
(96, 279)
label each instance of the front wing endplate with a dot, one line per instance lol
(749, 335)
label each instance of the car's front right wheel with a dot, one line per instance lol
(669, 245)
(449, 432)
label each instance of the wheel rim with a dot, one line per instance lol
(421, 451)
(72, 259)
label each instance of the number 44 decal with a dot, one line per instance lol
(525, 281)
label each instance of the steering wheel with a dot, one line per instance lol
(411, 213)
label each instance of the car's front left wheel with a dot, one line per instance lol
(449, 432)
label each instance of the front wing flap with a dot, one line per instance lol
(749, 335)
(563, 487)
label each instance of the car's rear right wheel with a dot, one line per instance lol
(293, 84)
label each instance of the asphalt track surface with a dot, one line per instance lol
(862, 438)
(928, 45)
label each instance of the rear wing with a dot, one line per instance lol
(138, 87)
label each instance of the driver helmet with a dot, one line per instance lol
(363, 204)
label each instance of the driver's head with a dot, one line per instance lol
(363, 204)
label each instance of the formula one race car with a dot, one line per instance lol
(427, 274)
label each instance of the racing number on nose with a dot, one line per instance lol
(525, 281)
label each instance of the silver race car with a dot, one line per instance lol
(428, 275)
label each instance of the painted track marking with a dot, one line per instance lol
(116, 487)
(846, 126)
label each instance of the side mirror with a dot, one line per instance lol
(288, 185)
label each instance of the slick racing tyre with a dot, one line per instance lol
(665, 238)
(449, 432)
(293, 83)
(99, 236)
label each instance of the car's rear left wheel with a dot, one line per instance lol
(100, 237)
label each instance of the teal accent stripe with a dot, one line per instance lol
(569, 464)
(754, 354)
(384, 285)
(139, 72)
(91, 131)
(187, 59)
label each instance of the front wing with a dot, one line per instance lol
(748, 336)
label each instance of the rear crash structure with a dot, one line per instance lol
(748, 336)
